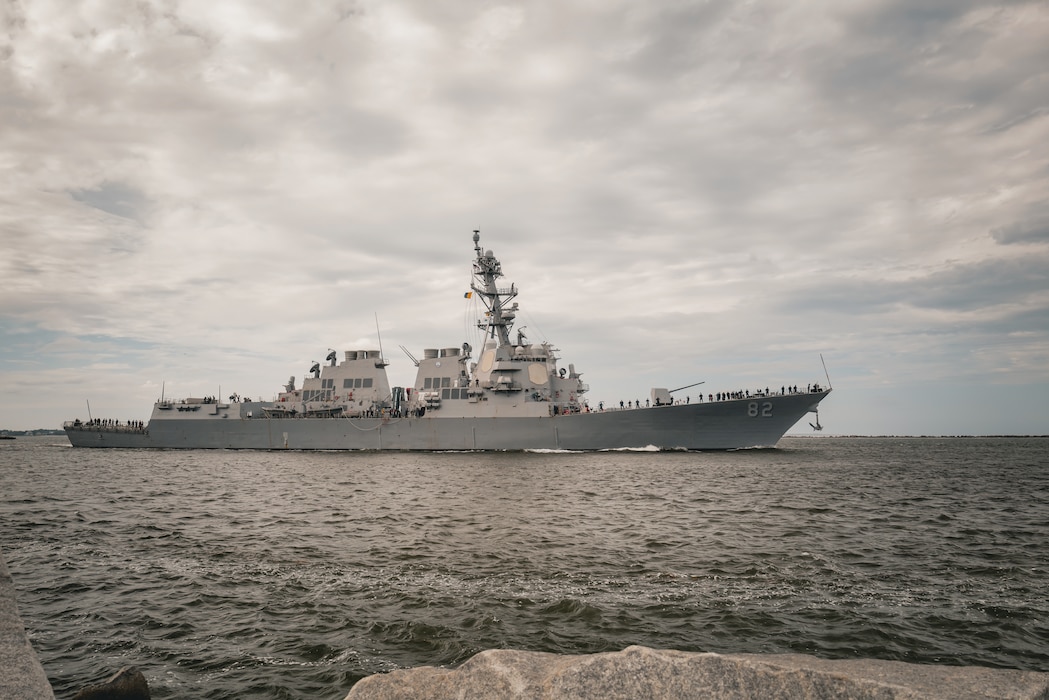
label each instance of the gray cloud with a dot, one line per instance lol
(983, 284)
(976, 286)
(1031, 231)
(114, 198)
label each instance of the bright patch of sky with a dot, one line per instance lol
(203, 198)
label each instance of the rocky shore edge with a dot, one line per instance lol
(635, 672)
(641, 672)
(21, 675)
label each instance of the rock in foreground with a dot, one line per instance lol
(639, 672)
(21, 675)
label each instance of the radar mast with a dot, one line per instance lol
(499, 318)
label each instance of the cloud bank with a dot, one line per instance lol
(200, 196)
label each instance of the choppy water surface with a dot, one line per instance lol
(292, 575)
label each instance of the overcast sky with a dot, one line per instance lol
(203, 197)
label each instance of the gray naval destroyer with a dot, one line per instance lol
(513, 396)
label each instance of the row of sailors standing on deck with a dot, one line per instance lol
(783, 390)
(724, 396)
(110, 423)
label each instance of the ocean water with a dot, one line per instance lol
(293, 575)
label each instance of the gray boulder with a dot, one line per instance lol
(640, 672)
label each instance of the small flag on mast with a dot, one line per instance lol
(468, 295)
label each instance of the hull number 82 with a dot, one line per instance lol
(755, 409)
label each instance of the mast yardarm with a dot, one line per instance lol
(500, 317)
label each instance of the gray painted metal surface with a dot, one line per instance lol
(720, 425)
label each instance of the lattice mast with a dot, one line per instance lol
(499, 318)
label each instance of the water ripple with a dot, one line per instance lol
(279, 575)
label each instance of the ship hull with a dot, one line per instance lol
(721, 425)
